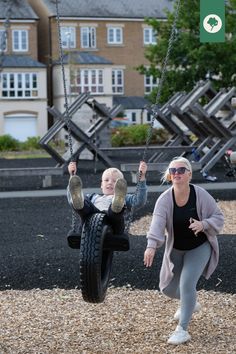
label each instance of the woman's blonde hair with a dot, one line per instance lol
(113, 170)
(166, 175)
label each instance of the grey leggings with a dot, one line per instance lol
(188, 267)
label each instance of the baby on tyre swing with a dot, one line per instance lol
(113, 200)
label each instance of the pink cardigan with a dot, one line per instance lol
(162, 220)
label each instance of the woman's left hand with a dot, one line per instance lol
(196, 226)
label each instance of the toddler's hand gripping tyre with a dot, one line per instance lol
(95, 262)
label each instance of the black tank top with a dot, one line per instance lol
(184, 238)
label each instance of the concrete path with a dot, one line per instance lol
(216, 186)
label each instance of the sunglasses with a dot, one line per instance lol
(179, 170)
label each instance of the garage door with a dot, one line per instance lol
(20, 127)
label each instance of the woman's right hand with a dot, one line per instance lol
(72, 168)
(149, 256)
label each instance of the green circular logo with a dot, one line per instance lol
(212, 23)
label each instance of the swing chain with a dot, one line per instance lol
(154, 107)
(68, 117)
(162, 79)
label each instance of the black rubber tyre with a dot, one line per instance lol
(95, 262)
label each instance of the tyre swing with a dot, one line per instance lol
(96, 239)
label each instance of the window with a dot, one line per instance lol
(88, 37)
(150, 83)
(20, 40)
(149, 36)
(19, 85)
(87, 80)
(117, 81)
(68, 37)
(114, 35)
(3, 41)
(133, 118)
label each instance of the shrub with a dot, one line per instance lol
(137, 135)
(8, 143)
(32, 143)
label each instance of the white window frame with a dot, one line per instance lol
(68, 37)
(18, 44)
(150, 83)
(19, 85)
(114, 35)
(3, 40)
(88, 80)
(149, 36)
(88, 37)
(117, 81)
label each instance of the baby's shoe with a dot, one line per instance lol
(75, 188)
(118, 200)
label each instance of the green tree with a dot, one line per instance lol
(190, 60)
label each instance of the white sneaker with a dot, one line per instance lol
(197, 308)
(75, 188)
(118, 200)
(179, 336)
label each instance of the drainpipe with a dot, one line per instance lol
(50, 89)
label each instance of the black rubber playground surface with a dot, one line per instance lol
(34, 251)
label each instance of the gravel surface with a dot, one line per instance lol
(135, 322)
(41, 307)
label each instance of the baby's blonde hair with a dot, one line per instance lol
(166, 175)
(113, 170)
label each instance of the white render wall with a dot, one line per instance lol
(35, 106)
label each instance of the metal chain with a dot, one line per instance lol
(68, 118)
(154, 107)
(162, 79)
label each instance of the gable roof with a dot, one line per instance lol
(110, 8)
(17, 9)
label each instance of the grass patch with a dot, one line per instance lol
(11, 155)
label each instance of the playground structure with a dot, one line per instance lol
(81, 139)
(201, 124)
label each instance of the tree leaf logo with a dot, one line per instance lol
(212, 23)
